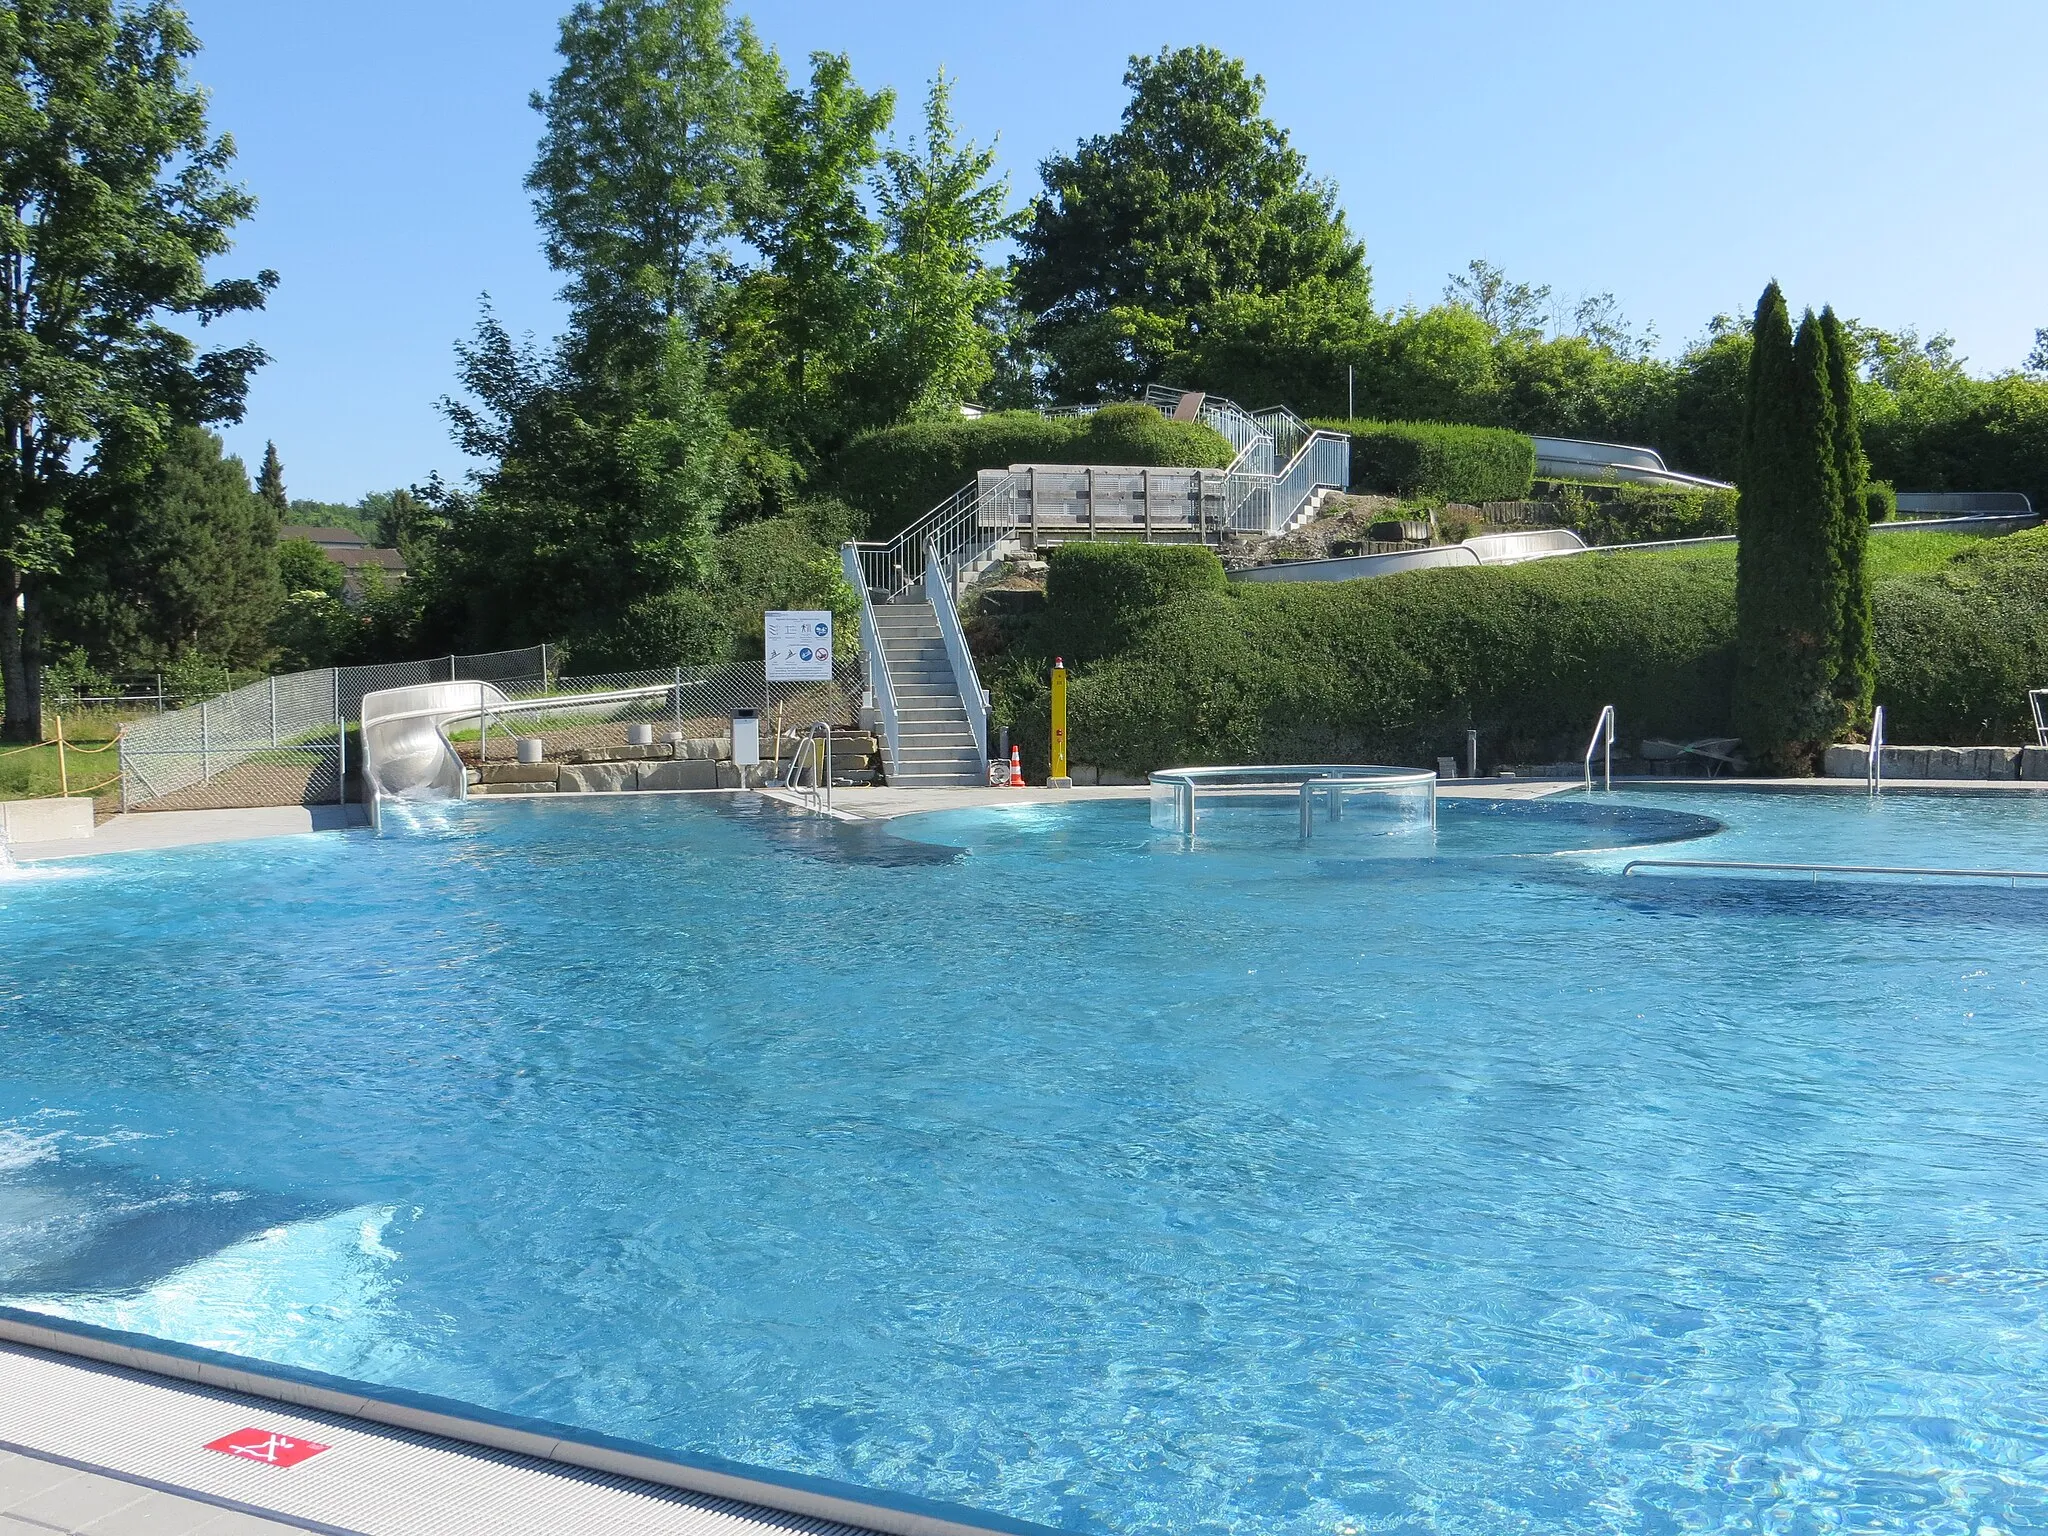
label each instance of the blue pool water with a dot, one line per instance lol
(1030, 1160)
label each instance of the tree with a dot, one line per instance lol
(1856, 676)
(601, 493)
(647, 158)
(1195, 198)
(1507, 308)
(942, 207)
(113, 198)
(174, 561)
(270, 482)
(303, 566)
(1788, 596)
(808, 221)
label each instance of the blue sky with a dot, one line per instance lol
(1886, 158)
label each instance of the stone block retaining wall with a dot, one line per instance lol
(1984, 763)
(696, 763)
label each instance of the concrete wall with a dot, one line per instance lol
(1970, 763)
(45, 821)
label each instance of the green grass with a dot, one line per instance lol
(1891, 554)
(33, 774)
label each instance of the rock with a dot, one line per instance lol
(1997, 762)
(599, 778)
(1905, 762)
(1849, 761)
(548, 787)
(617, 754)
(728, 775)
(691, 773)
(705, 749)
(853, 744)
(519, 773)
(1947, 763)
(2034, 763)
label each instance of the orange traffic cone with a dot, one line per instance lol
(1016, 768)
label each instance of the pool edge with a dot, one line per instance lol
(894, 1514)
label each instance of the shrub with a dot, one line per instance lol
(1628, 512)
(303, 566)
(1880, 501)
(1958, 647)
(893, 476)
(1413, 458)
(1097, 596)
(681, 628)
(1397, 668)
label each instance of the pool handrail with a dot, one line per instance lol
(2037, 698)
(1604, 723)
(1873, 763)
(1817, 870)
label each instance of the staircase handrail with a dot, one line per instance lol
(879, 680)
(938, 591)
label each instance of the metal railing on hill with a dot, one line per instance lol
(1270, 485)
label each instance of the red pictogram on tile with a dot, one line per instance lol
(266, 1445)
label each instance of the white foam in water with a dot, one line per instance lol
(312, 1293)
(19, 1150)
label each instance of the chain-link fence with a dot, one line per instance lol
(678, 703)
(283, 740)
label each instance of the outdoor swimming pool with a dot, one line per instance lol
(1043, 1165)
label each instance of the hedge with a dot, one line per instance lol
(1097, 596)
(1428, 459)
(1630, 512)
(896, 475)
(1396, 669)
(1958, 647)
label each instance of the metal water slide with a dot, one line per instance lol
(406, 751)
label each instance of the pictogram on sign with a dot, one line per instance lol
(266, 1445)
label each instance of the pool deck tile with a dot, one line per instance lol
(138, 1466)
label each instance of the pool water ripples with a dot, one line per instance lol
(1030, 1159)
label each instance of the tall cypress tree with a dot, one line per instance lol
(1788, 600)
(1856, 682)
(270, 482)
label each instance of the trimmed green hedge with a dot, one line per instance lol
(1958, 647)
(1098, 595)
(896, 475)
(1396, 669)
(1628, 512)
(1419, 458)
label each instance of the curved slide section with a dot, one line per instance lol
(406, 755)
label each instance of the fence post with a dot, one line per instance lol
(273, 709)
(679, 704)
(341, 762)
(121, 761)
(335, 674)
(451, 669)
(205, 740)
(546, 677)
(159, 693)
(63, 772)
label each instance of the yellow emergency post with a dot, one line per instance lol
(1057, 778)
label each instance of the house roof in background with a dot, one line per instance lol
(326, 538)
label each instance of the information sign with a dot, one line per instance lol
(799, 646)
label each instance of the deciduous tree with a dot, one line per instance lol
(113, 198)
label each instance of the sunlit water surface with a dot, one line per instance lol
(1046, 1165)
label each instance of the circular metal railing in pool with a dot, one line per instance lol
(1394, 799)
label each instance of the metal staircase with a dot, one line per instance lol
(936, 742)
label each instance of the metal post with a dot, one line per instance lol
(205, 740)
(335, 674)
(679, 702)
(1031, 491)
(341, 762)
(1308, 812)
(63, 772)
(1145, 495)
(1088, 491)
(159, 693)
(121, 760)
(451, 669)
(1471, 754)
(1350, 393)
(273, 709)
(483, 740)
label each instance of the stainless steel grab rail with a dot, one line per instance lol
(1603, 726)
(1817, 870)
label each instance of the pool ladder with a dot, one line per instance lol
(818, 793)
(1873, 767)
(1603, 730)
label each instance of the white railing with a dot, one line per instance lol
(1602, 728)
(1257, 495)
(879, 682)
(818, 793)
(1873, 766)
(2038, 699)
(938, 591)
